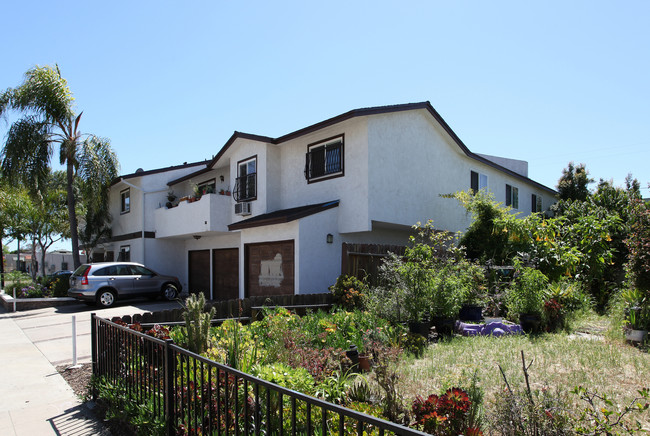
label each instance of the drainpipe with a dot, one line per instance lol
(144, 193)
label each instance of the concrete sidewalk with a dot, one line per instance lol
(34, 398)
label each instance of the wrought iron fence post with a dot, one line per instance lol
(170, 398)
(93, 350)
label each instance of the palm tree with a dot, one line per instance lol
(49, 120)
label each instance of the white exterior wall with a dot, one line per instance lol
(320, 262)
(413, 161)
(351, 189)
(243, 149)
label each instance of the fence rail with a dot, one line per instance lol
(195, 395)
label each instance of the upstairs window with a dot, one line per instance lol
(477, 181)
(246, 182)
(125, 201)
(536, 203)
(125, 253)
(208, 187)
(324, 159)
(512, 196)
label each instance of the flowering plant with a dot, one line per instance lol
(444, 415)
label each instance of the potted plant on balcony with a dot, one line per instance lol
(196, 191)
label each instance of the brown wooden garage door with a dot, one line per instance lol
(225, 273)
(269, 268)
(199, 272)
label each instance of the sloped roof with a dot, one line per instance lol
(360, 113)
(283, 216)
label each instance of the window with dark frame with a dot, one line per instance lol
(246, 182)
(512, 196)
(478, 181)
(208, 187)
(324, 159)
(125, 253)
(125, 201)
(536, 203)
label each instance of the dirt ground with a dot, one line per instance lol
(77, 378)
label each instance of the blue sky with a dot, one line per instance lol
(168, 82)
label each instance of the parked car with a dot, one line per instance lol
(105, 282)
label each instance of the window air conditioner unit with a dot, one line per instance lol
(243, 208)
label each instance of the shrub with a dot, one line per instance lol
(297, 379)
(527, 293)
(638, 244)
(60, 288)
(349, 292)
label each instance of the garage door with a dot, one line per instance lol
(269, 268)
(225, 270)
(199, 272)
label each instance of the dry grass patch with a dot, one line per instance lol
(560, 361)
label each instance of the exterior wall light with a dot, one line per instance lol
(330, 238)
(197, 237)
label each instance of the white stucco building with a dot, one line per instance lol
(300, 201)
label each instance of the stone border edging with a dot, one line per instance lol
(33, 303)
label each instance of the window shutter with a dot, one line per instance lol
(508, 195)
(473, 181)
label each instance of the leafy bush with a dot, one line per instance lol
(432, 279)
(527, 293)
(60, 287)
(638, 244)
(348, 292)
(297, 379)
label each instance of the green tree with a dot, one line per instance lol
(482, 241)
(573, 185)
(49, 120)
(50, 220)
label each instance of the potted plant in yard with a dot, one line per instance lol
(637, 315)
(472, 287)
(445, 299)
(525, 299)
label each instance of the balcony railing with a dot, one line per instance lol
(245, 188)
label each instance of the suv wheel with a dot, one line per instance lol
(169, 292)
(106, 298)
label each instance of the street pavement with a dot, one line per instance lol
(34, 398)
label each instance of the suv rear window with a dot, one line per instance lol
(81, 270)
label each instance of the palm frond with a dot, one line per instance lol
(43, 92)
(27, 152)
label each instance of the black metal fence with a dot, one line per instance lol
(194, 395)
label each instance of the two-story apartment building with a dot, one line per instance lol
(276, 212)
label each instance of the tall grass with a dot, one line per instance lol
(559, 361)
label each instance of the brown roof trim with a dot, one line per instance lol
(283, 216)
(377, 110)
(158, 170)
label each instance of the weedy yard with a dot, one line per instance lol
(589, 356)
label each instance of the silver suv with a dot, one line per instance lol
(103, 283)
